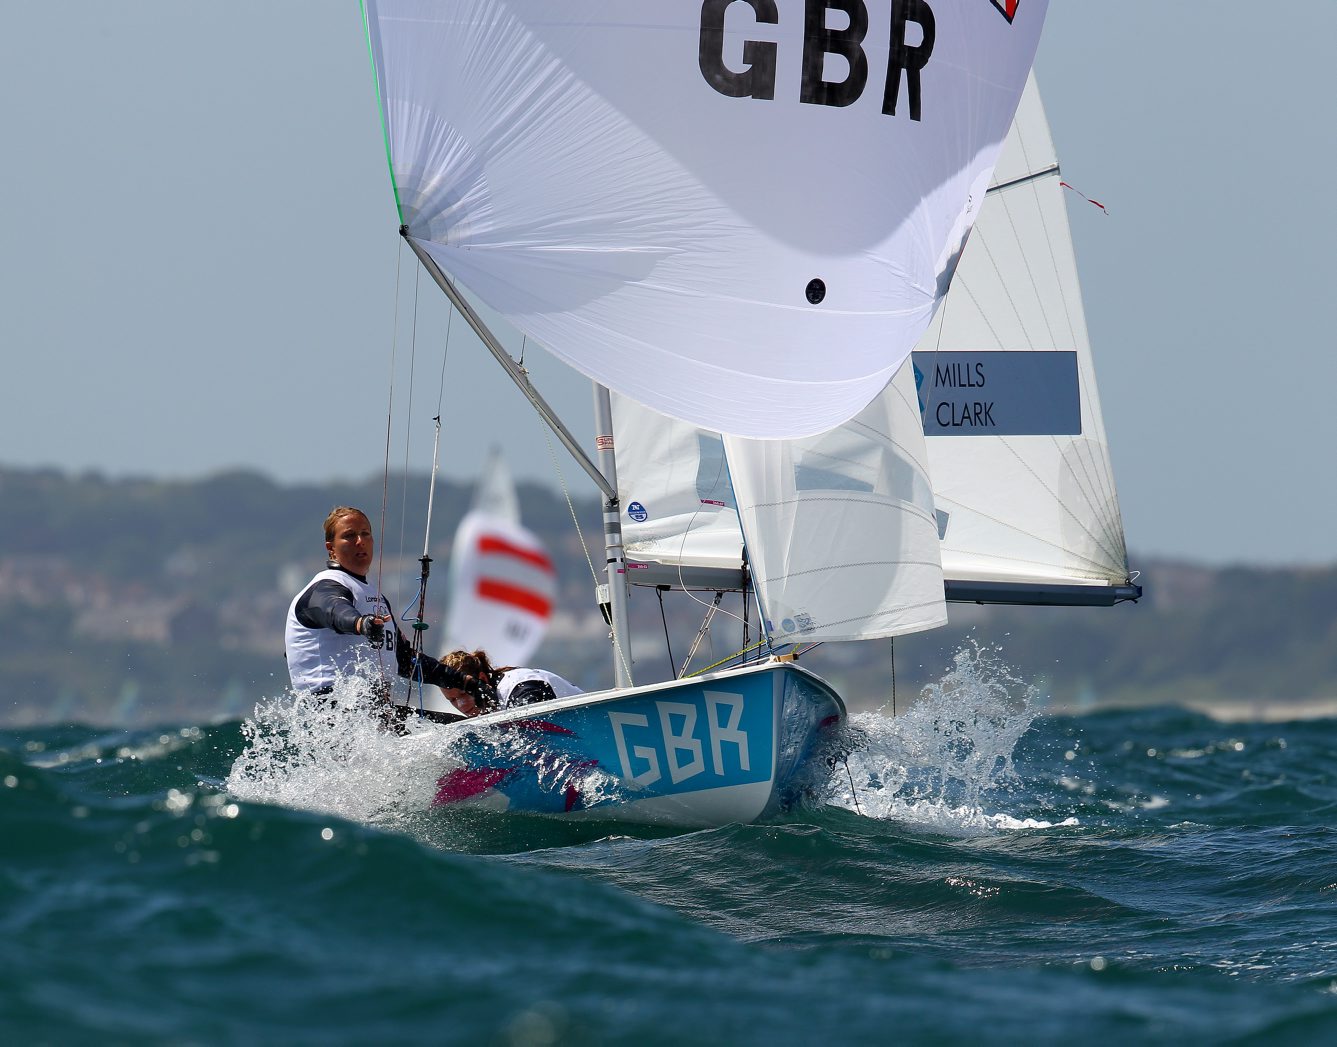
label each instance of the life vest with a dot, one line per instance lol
(316, 657)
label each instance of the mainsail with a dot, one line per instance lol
(1017, 449)
(740, 212)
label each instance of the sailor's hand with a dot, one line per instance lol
(372, 626)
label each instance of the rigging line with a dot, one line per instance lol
(445, 352)
(561, 480)
(618, 650)
(667, 642)
(733, 497)
(594, 575)
(420, 623)
(746, 624)
(853, 795)
(682, 546)
(389, 415)
(695, 599)
(701, 633)
(1097, 203)
(730, 657)
(431, 494)
(408, 430)
(893, 677)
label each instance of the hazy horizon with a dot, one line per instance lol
(202, 256)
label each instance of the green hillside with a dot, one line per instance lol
(137, 600)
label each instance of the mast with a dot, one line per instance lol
(617, 570)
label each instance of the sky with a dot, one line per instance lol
(200, 267)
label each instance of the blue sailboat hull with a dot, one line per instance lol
(734, 746)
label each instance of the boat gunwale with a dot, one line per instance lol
(537, 710)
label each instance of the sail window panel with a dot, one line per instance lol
(673, 486)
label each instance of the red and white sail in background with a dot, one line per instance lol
(502, 582)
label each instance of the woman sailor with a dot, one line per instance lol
(339, 624)
(505, 687)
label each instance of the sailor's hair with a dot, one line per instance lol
(470, 663)
(480, 678)
(338, 513)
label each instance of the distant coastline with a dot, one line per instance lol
(142, 601)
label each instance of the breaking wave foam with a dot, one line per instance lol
(935, 765)
(332, 755)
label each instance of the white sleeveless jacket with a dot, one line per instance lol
(317, 656)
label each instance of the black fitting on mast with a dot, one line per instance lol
(419, 624)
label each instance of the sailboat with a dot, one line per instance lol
(502, 582)
(741, 215)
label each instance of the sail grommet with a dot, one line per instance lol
(816, 290)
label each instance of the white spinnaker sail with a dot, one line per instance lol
(656, 190)
(502, 583)
(1021, 508)
(842, 541)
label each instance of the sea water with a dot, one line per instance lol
(973, 872)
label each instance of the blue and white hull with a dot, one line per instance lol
(733, 746)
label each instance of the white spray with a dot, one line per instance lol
(933, 765)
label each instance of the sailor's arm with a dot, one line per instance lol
(432, 671)
(468, 695)
(328, 605)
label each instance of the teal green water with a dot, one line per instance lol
(1149, 876)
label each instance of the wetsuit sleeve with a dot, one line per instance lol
(433, 672)
(328, 605)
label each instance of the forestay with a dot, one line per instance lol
(740, 212)
(1017, 449)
